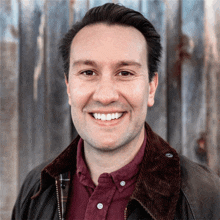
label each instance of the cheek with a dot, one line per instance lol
(79, 93)
(137, 94)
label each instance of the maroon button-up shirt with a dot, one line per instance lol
(109, 198)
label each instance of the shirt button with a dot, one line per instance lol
(100, 206)
(122, 183)
(169, 155)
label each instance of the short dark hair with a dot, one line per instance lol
(115, 14)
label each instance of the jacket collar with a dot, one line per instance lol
(158, 185)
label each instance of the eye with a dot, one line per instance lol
(88, 73)
(125, 73)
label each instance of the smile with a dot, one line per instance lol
(107, 117)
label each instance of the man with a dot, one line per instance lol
(118, 168)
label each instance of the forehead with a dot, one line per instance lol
(104, 42)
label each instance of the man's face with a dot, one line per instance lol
(108, 85)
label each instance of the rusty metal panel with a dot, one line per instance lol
(174, 58)
(155, 11)
(9, 60)
(193, 80)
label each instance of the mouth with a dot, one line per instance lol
(107, 117)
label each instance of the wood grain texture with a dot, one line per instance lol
(135, 5)
(193, 80)
(31, 86)
(9, 59)
(77, 10)
(95, 3)
(155, 12)
(212, 70)
(174, 58)
(57, 107)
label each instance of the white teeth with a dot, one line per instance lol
(107, 117)
(103, 118)
(113, 116)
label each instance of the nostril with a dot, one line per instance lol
(105, 95)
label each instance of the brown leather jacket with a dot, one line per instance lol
(168, 187)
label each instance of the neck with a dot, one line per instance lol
(100, 162)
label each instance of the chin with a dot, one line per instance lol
(106, 147)
(110, 146)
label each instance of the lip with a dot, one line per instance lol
(106, 123)
(107, 111)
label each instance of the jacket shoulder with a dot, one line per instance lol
(30, 186)
(33, 177)
(201, 187)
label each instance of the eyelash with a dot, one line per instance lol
(120, 73)
(127, 73)
(86, 71)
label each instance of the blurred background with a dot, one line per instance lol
(35, 116)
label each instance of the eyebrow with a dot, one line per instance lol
(84, 62)
(118, 64)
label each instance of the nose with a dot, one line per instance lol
(106, 91)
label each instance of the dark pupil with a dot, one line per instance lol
(124, 73)
(89, 72)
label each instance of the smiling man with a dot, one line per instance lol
(117, 168)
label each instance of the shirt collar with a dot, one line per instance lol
(158, 184)
(122, 178)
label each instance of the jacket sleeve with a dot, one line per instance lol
(30, 186)
(201, 188)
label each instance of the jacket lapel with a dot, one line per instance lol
(158, 184)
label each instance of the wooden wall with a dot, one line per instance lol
(35, 118)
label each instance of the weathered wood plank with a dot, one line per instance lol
(155, 11)
(94, 3)
(174, 58)
(57, 107)
(135, 5)
(9, 68)
(78, 9)
(216, 7)
(193, 80)
(31, 86)
(39, 86)
(212, 67)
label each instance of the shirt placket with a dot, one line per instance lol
(100, 200)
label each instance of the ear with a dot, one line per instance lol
(68, 90)
(152, 90)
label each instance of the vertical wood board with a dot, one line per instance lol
(39, 87)
(95, 3)
(135, 5)
(9, 59)
(193, 80)
(212, 66)
(57, 107)
(31, 97)
(155, 12)
(78, 9)
(174, 58)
